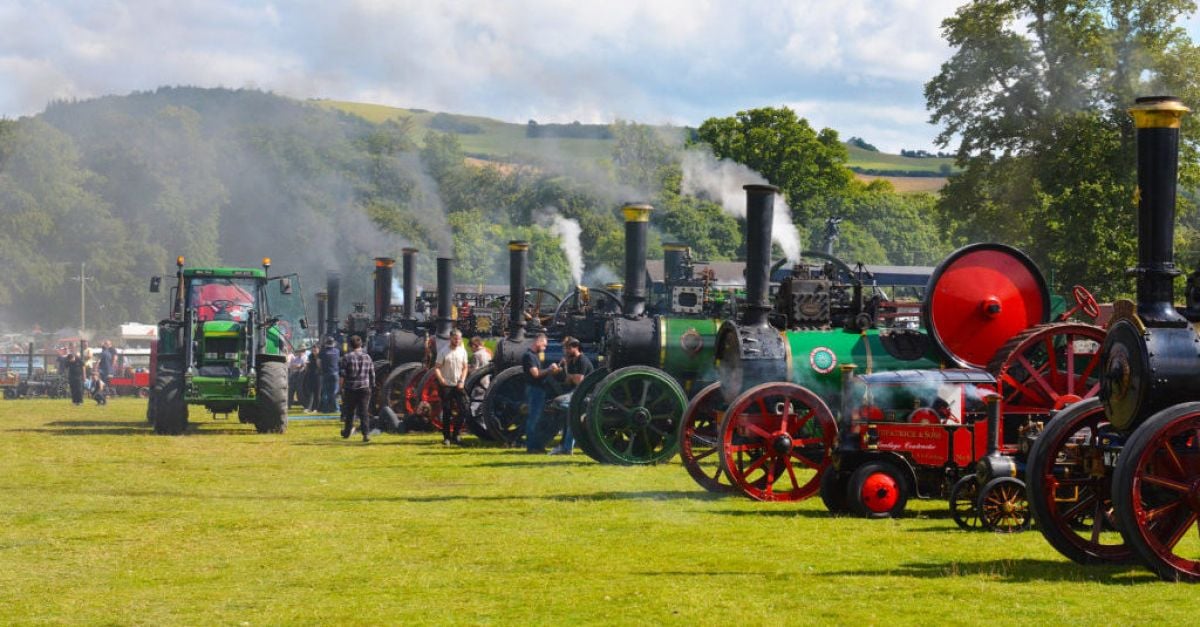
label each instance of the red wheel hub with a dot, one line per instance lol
(880, 492)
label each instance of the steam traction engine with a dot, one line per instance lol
(768, 421)
(1130, 460)
(629, 411)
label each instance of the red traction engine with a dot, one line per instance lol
(925, 432)
(986, 307)
(1117, 479)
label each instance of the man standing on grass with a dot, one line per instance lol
(536, 379)
(330, 359)
(450, 368)
(357, 380)
(575, 366)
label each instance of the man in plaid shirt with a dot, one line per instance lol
(357, 380)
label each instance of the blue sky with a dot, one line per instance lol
(857, 66)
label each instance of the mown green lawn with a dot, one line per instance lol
(103, 522)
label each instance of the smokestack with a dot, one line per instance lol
(383, 289)
(333, 284)
(637, 225)
(410, 281)
(760, 211)
(445, 296)
(1157, 119)
(518, 259)
(322, 309)
(673, 257)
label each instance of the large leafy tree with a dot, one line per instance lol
(809, 166)
(1035, 100)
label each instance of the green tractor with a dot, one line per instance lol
(225, 347)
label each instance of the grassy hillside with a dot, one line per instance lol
(504, 140)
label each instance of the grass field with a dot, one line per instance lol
(103, 522)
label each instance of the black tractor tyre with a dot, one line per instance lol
(271, 385)
(171, 413)
(151, 407)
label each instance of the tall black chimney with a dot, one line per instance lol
(410, 282)
(445, 296)
(383, 289)
(637, 226)
(518, 259)
(1157, 119)
(333, 283)
(674, 255)
(322, 310)
(760, 211)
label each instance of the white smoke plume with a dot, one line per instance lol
(568, 231)
(722, 181)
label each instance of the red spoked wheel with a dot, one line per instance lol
(1084, 301)
(776, 441)
(412, 392)
(1156, 492)
(1048, 367)
(1070, 486)
(393, 391)
(700, 439)
(429, 399)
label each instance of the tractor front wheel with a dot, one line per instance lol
(271, 400)
(963, 497)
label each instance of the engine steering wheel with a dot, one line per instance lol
(1084, 301)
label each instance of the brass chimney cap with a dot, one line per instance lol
(637, 212)
(1158, 112)
(518, 245)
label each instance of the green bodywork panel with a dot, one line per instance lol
(687, 346)
(815, 358)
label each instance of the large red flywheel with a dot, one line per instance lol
(979, 298)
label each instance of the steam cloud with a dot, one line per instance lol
(568, 232)
(722, 180)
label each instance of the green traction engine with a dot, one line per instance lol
(628, 412)
(225, 345)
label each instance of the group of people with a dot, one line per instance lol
(85, 373)
(313, 378)
(452, 363)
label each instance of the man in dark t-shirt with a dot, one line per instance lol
(536, 379)
(575, 367)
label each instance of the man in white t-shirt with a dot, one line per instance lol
(450, 368)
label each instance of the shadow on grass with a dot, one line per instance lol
(137, 427)
(646, 495)
(770, 511)
(1022, 570)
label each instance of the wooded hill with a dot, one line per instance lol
(123, 184)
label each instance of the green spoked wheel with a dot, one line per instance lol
(634, 414)
(577, 413)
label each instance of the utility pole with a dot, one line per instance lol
(82, 297)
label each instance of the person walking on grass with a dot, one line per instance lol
(536, 380)
(450, 368)
(357, 380)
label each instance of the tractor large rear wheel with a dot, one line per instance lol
(171, 415)
(271, 400)
(476, 388)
